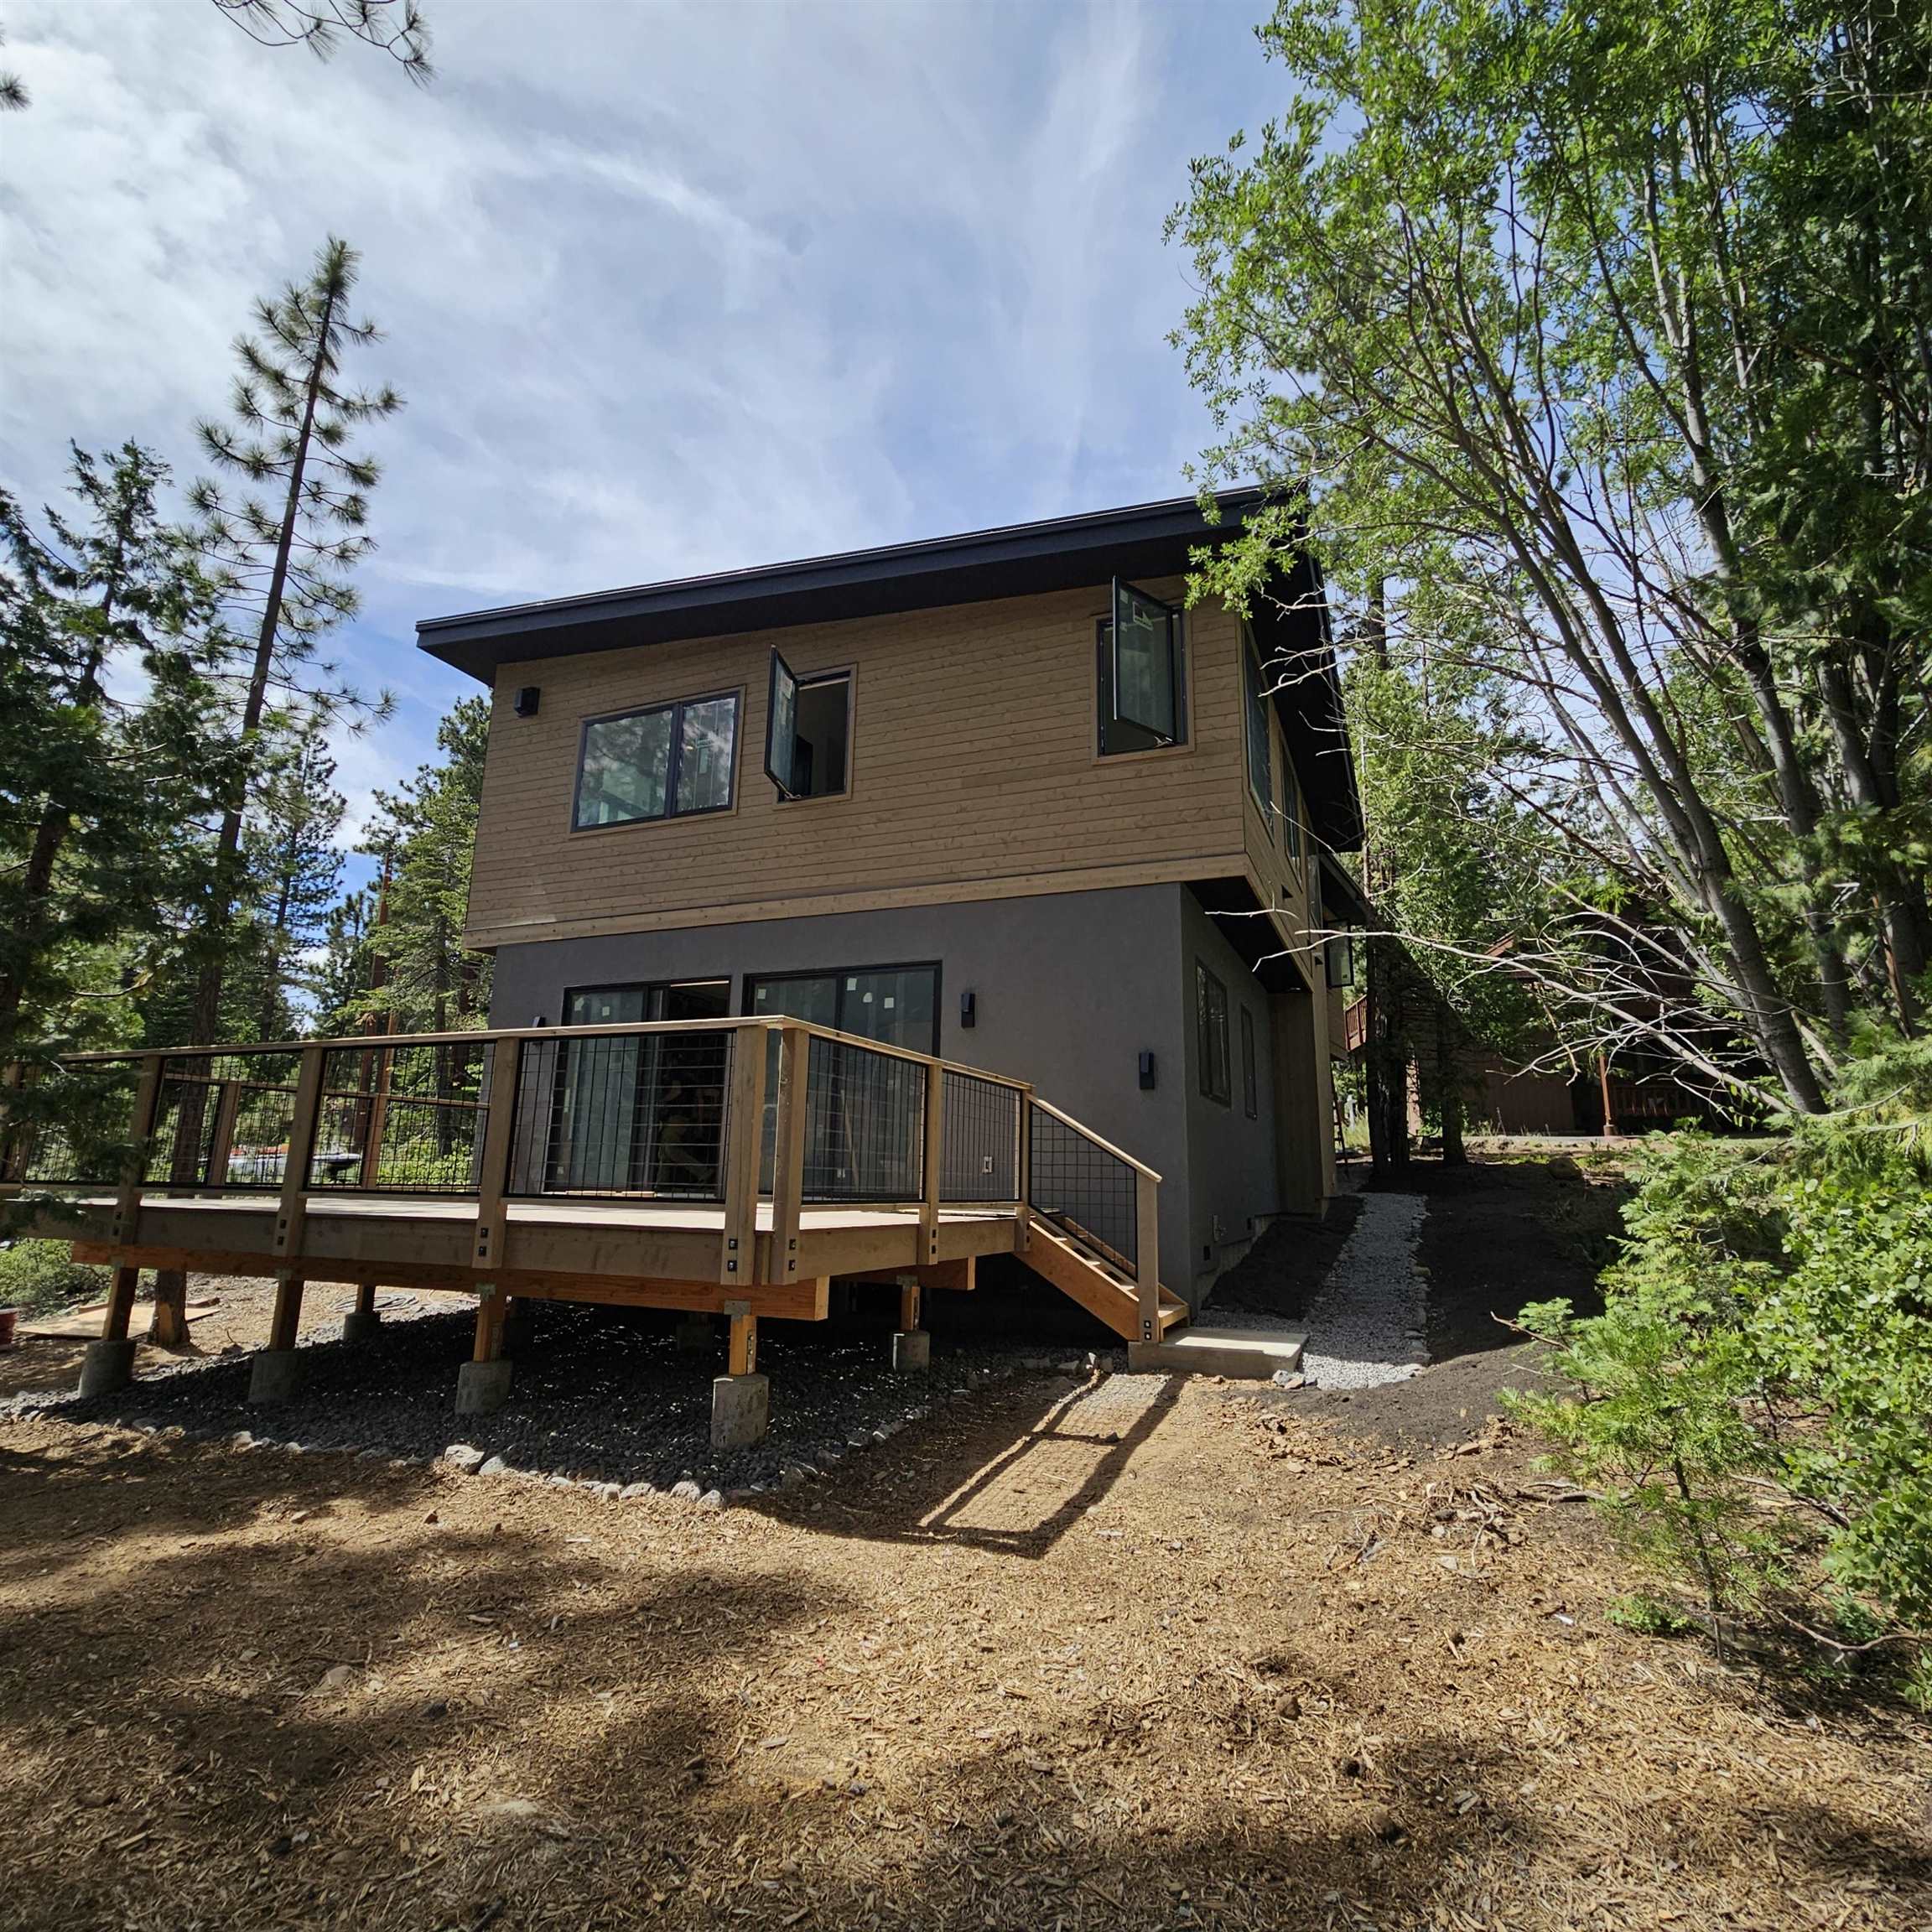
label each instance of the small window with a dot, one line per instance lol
(1250, 1082)
(1260, 738)
(1211, 1031)
(1143, 678)
(667, 762)
(807, 732)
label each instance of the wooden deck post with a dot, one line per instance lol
(293, 1211)
(908, 1303)
(285, 1324)
(492, 1309)
(226, 1109)
(788, 1151)
(499, 1133)
(124, 1230)
(933, 1165)
(1023, 1175)
(745, 1130)
(743, 1356)
(119, 1304)
(1147, 1253)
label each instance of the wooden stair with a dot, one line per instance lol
(1095, 1277)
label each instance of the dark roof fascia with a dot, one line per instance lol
(1293, 632)
(1344, 902)
(1064, 553)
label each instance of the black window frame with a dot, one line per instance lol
(802, 682)
(677, 707)
(936, 968)
(1214, 1050)
(1105, 715)
(1250, 1073)
(1257, 721)
(646, 987)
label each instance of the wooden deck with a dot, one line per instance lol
(845, 1116)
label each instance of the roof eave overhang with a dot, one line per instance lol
(1152, 540)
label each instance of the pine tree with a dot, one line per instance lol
(280, 557)
(428, 835)
(395, 27)
(295, 874)
(103, 800)
(283, 557)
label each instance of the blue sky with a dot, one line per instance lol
(668, 289)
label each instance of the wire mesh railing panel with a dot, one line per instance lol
(89, 1143)
(865, 1125)
(401, 1118)
(629, 1115)
(980, 1160)
(1083, 1187)
(223, 1120)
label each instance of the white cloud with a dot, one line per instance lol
(668, 289)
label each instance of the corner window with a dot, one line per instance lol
(1142, 674)
(1211, 1034)
(1260, 739)
(667, 762)
(1250, 1081)
(808, 732)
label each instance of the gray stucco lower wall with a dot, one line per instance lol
(1070, 989)
(1230, 1156)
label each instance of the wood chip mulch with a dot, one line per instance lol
(1132, 1653)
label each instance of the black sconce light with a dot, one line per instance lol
(1146, 1073)
(524, 703)
(968, 1008)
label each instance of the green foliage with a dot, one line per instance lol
(425, 837)
(38, 1278)
(1585, 344)
(1649, 1616)
(1757, 1397)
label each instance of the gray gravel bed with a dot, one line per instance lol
(596, 1398)
(1366, 1325)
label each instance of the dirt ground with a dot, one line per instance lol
(1125, 1652)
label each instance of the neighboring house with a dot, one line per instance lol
(925, 794)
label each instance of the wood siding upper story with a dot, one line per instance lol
(972, 773)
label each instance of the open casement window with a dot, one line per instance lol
(807, 732)
(1142, 676)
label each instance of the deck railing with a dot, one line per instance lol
(734, 1113)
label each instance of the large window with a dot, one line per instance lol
(643, 1113)
(807, 732)
(1260, 739)
(1211, 1034)
(897, 1006)
(1142, 674)
(667, 762)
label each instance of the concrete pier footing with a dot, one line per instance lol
(274, 1376)
(361, 1326)
(482, 1386)
(911, 1350)
(107, 1366)
(740, 1411)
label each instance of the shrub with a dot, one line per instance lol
(38, 1278)
(1755, 1401)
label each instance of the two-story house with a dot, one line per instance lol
(997, 796)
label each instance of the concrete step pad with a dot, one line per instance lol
(1246, 1354)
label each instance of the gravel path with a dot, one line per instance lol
(1365, 1326)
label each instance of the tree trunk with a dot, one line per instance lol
(170, 1325)
(1449, 1087)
